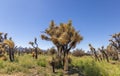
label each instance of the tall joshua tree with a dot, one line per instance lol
(94, 53)
(35, 46)
(64, 37)
(115, 42)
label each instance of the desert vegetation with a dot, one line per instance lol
(59, 60)
(35, 46)
(64, 37)
(7, 44)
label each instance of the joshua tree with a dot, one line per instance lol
(2, 50)
(5, 36)
(104, 54)
(2, 53)
(64, 37)
(35, 46)
(1, 38)
(112, 53)
(53, 64)
(9, 44)
(115, 42)
(94, 53)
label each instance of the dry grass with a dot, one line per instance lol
(27, 66)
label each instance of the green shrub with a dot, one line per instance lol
(60, 74)
(11, 68)
(41, 63)
(80, 66)
(89, 67)
(1, 64)
(27, 62)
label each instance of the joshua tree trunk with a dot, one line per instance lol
(53, 68)
(36, 55)
(59, 55)
(104, 56)
(11, 54)
(96, 56)
(104, 53)
(59, 51)
(66, 62)
(53, 64)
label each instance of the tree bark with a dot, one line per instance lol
(11, 54)
(60, 55)
(106, 56)
(66, 63)
(36, 55)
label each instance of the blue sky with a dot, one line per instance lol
(24, 19)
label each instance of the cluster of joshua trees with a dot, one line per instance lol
(64, 37)
(111, 52)
(100, 54)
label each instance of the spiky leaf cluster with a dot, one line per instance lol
(115, 41)
(34, 44)
(10, 43)
(64, 34)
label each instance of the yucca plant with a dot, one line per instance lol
(94, 53)
(104, 53)
(111, 52)
(35, 46)
(115, 43)
(1, 37)
(7, 43)
(10, 44)
(64, 37)
(5, 35)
